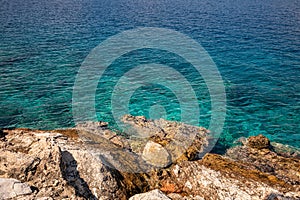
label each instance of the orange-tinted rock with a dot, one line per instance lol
(258, 142)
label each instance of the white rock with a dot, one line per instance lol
(156, 155)
(152, 195)
(10, 188)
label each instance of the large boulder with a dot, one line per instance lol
(156, 155)
(258, 142)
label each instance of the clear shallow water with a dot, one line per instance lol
(255, 45)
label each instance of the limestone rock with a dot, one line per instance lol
(10, 188)
(156, 155)
(152, 195)
(93, 162)
(101, 129)
(216, 177)
(57, 167)
(182, 141)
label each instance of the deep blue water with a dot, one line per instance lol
(255, 45)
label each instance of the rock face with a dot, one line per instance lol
(56, 166)
(246, 172)
(93, 162)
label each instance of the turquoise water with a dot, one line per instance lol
(255, 45)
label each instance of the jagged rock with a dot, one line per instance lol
(87, 163)
(10, 188)
(258, 142)
(217, 177)
(175, 196)
(156, 155)
(101, 129)
(57, 167)
(182, 141)
(265, 160)
(152, 195)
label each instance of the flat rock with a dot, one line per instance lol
(10, 188)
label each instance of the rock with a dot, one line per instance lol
(57, 167)
(285, 150)
(182, 141)
(286, 169)
(258, 142)
(101, 129)
(156, 155)
(93, 162)
(10, 188)
(175, 196)
(152, 195)
(218, 177)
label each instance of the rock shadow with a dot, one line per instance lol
(274, 196)
(70, 173)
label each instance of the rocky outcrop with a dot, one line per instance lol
(93, 162)
(258, 154)
(57, 166)
(181, 141)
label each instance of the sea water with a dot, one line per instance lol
(255, 45)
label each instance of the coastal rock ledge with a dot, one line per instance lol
(85, 162)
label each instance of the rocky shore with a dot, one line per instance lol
(159, 159)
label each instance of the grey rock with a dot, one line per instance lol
(152, 195)
(156, 155)
(10, 188)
